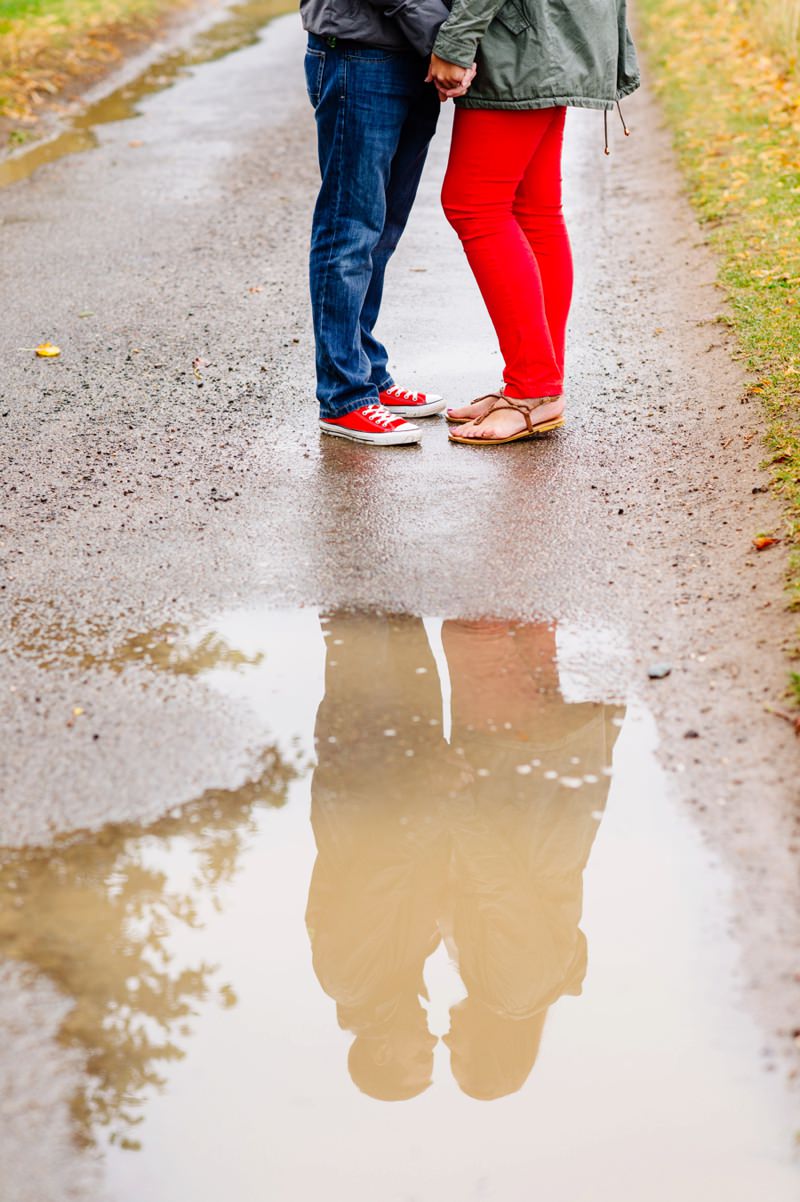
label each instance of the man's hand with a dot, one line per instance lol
(449, 79)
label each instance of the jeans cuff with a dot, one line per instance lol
(387, 383)
(326, 416)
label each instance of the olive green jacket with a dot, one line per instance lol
(534, 54)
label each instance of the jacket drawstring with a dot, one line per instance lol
(626, 131)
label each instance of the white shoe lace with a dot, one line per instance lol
(379, 415)
(402, 394)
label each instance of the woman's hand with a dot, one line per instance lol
(449, 79)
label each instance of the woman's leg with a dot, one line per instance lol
(537, 208)
(491, 155)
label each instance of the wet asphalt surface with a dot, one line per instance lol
(136, 494)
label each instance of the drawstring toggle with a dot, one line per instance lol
(625, 129)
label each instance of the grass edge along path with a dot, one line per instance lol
(48, 48)
(734, 109)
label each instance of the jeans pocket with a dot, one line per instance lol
(315, 68)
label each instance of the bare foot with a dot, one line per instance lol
(476, 408)
(503, 423)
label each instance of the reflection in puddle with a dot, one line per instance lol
(51, 643)
(94, 914)
(480, 842)
(455, 775)
(239, 28)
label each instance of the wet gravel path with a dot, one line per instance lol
(137, 496)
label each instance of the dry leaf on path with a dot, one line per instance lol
(46, 350)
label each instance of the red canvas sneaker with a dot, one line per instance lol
(372, 423)
(413, 404)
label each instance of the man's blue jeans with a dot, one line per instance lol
(375, 118)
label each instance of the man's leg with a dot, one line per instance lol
(362, 99)
(406, 171)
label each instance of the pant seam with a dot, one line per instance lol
(340, 119)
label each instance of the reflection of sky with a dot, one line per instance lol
(285, 688)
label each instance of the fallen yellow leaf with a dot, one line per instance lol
(46, 350)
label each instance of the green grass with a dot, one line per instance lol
(732, 97)
(13, 10)
(70, 14)
(794, 685)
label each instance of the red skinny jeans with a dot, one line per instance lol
(502, 195)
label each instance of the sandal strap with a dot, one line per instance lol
(490, 396)
(504, 402)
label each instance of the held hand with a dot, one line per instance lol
(466, 81)
(449, 79)
(463, 88)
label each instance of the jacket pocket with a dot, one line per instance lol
(513, 16)
(315, 69)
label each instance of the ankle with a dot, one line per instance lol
(514, 394)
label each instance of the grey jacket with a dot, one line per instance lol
(409, 25)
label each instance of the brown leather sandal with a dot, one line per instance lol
(462, 421)
(531, 428)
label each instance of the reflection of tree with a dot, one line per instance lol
(95, 916)
(51, 642)
(481, 843)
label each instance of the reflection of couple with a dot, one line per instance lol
(481, 843)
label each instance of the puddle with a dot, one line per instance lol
(433, 949)
(240, 27)
(53, 644)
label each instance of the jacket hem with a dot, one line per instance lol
(542, 102)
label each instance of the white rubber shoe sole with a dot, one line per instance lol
(392, 438)
(434, 404)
